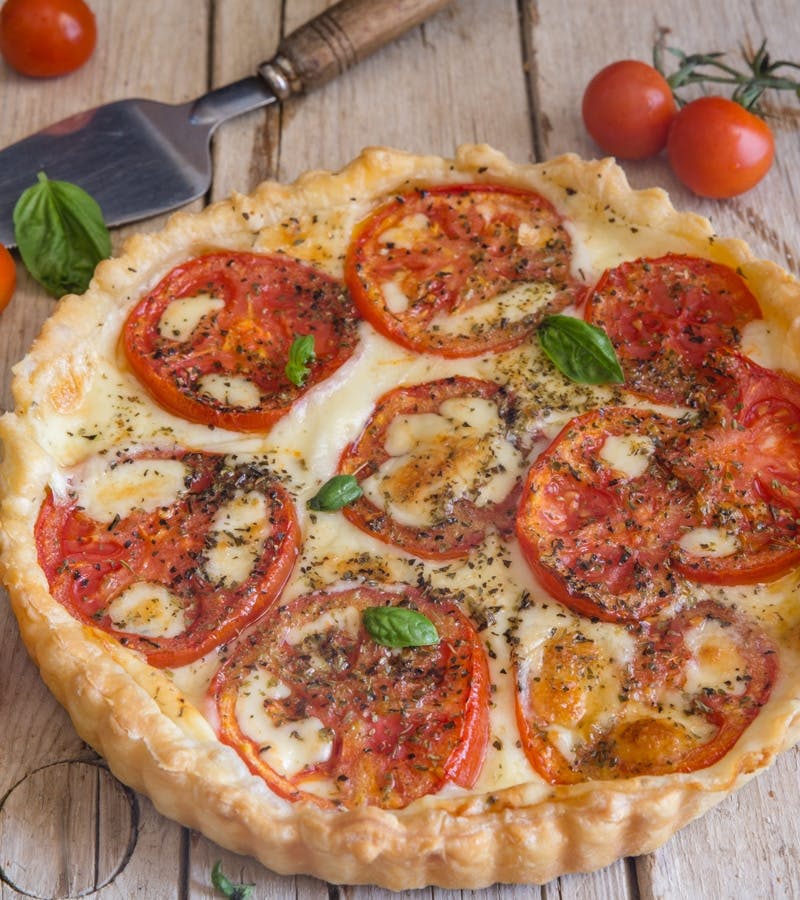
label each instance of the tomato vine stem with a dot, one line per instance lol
(762, 73)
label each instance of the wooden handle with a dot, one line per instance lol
(339, 38)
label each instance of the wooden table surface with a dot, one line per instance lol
(508, 72)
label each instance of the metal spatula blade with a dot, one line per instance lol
(138, 158)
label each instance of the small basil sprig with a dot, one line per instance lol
(398, 626)
(300, 354)
(336, 493)
(61, 235)
(226, 887)
(581, 351)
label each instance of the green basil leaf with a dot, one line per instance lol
(300, 354)
(336, 493)
(398, 626)
(583, 352)
(226, 887)
(61, 235)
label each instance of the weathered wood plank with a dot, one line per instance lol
(52, 808)
(427, 92)
(746, 846)
(458, 78)
(571, 42)
(203, 854)
(614, 881)
(78, 836)
(245, 150)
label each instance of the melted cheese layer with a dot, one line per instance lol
(237, 537)
(106, 492)
(148, 609)
(182, 316)
(436, 459)
(287, 747)
(494, 586)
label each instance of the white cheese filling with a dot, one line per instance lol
(230, 390)
(409, 231)
(628, 454)
(521, 300)
(709, 542)
(396, 300)
(150, 610)
(287, 747)
(180, 318)
(237, 537)
(347, 619)
(107, 491)
(436, 459)
(715, 660)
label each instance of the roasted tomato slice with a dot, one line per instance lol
(744, 465)
(667, 318)
(461, 270)
(324, 713)
(598, 701)
(439, 465)
(600, 513)
(211, 341)
(171, 554)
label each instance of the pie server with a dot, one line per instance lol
(138, 157)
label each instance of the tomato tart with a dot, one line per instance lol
(443, 510)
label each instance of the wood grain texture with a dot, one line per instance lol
(511, 73)
(564, 43)
(338, 38)
(135, 56)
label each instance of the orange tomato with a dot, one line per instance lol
(8, 277)
(43, 38)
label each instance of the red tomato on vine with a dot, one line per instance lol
(627, 108)
(718, 149)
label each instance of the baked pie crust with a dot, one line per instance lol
(76, 396)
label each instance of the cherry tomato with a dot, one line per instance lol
(628, 108)
(8, 277)
(44, 38)
(718, 149)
